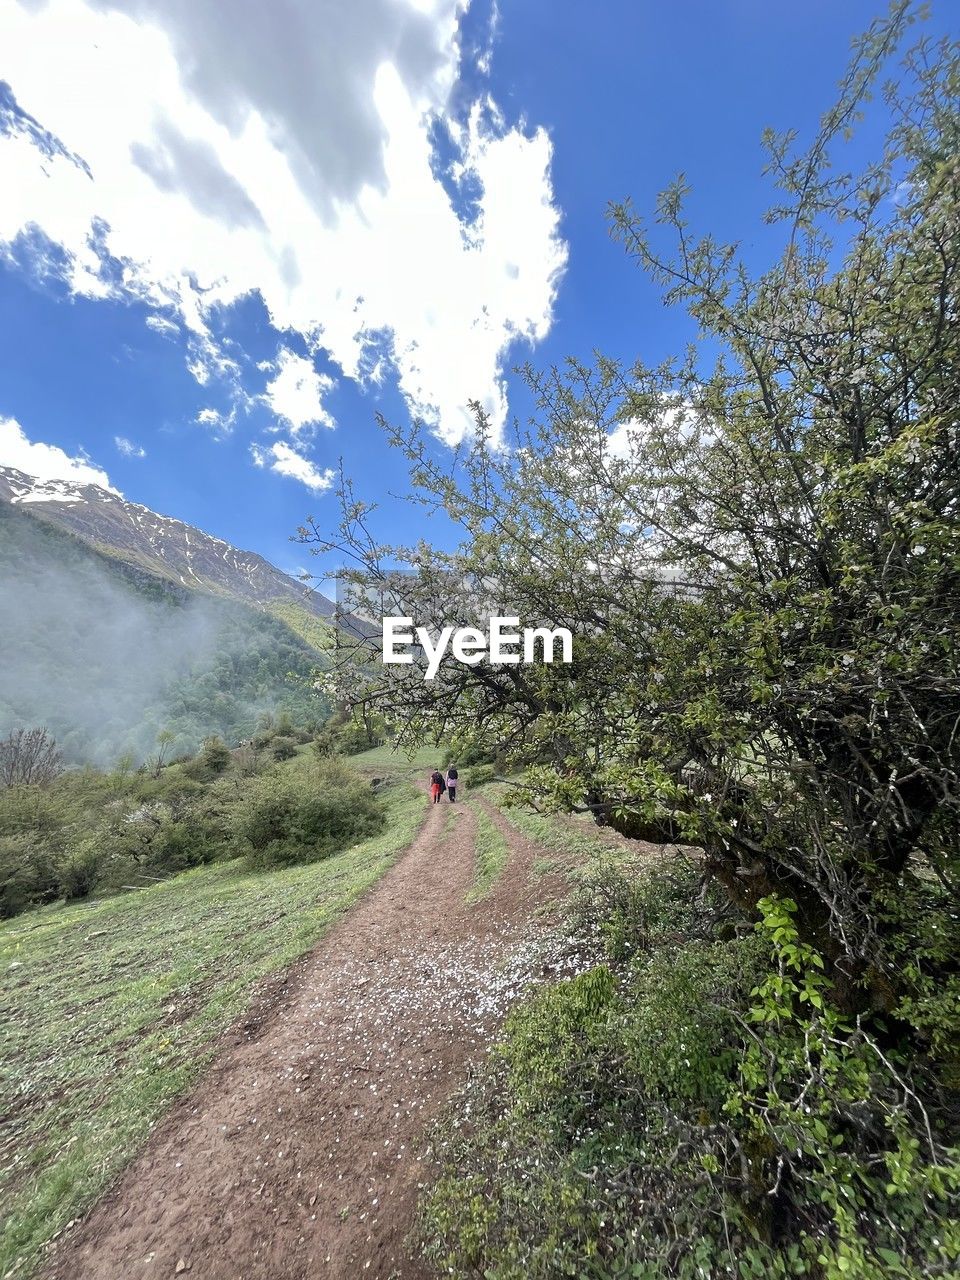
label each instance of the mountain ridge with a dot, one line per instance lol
(163, 545)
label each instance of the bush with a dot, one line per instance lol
(690, 1107)
(212, 759)
(81, 870)
(468, 751)
(324, 744)
(477, 775)
(29, 872)
(174, 833)
(214, 755)
(88, 831)
(354, 738)
(285, 820)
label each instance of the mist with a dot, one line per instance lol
(105, 656)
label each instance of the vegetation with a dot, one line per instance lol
(756, 548)
(284, 822)
(29, 757)
(155, 976)
(634, 1118)
(353, 731)
(492, 851)
(319, 635)
(90, 832)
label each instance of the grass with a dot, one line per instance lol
(491, 852)
(422, 761)
(320, 635)
(111, 1010)
(571, 839)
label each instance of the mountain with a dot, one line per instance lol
(163, 546)
(117, 624)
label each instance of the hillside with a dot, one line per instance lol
(165, 547)
(107, 653)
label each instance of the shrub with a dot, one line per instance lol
(215, 755)
(285, 820)
(354, 738)
(212, 759)
(29, 872)
(468, 750)
(476, 775)
(324, 744)
(692, 1108)
(82, 869)
(88, 831)
(172, 834)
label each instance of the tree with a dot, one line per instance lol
(29, 757)
(165, 739)
(214, 756)
(756, 548)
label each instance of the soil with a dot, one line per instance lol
(301, 1151)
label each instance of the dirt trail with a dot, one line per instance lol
(299, 1153)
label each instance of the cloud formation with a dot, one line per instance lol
(128, 448)
(46, 461)
(286, 461)
(295, 393)
(221, 424)
(188, 161)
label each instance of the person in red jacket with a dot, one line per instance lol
(437, 785)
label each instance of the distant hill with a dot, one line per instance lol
(166, 547)
(116, 623)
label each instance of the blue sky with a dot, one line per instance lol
(225, 246)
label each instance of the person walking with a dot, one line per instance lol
(452, 776)
(437, 785)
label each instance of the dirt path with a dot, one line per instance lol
(299, 1153)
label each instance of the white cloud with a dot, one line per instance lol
(220, 423)
(166, 328)
(286, 151)
(283, 459)
(295, 393)
(677, 417)
(621, 441)
(128, 448)
(46, 461)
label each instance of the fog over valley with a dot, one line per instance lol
(106, 656)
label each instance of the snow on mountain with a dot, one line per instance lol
(28, 489)
(161, 544)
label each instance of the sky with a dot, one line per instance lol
(232, 233)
